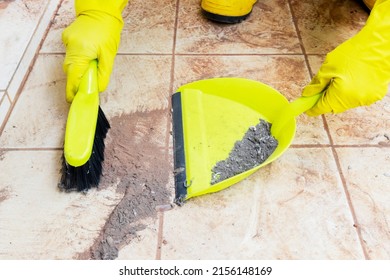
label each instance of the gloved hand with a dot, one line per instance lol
(95, 34)
(357, 72)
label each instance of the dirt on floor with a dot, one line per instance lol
(255, 147)
(141, 165)
(138, 163)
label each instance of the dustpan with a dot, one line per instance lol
(210, 115)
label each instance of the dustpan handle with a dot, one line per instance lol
(304, 103)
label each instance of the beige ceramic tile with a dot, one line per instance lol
(364, 125)
(310, 131)
(148, 28)
(25, 62)
(325, 24)
(367, 175)
(138, 83)
(38, 119)
(287, 74)
(40, 222)
(144, 246)
(269, 29)
(315, 62)
(25, 16)
(4, 107)
(139, 132)
(294, 208)
(64, 17)
(359, 126)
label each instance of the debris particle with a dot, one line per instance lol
(256, 146)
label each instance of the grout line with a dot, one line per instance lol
(28, 44)
(160, 234)
(172, 79)
(31, 149)
(52, 53)
(305, 146)
(194, 54)
(384, 146)
(3, 99)
(238, 54)
(169, 125)
(293, 146)
(207, 54)
(212, 54)
(300, 146)
(174, 49)
(161, 209)
(9, 98)
(332, 146)
(5, 95)
(345, 187)
(8, 114)
(350, 204)
(299, 37)
(327, 130)
(29, 68)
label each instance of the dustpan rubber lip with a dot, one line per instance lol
(178, 145)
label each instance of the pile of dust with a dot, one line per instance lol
(256, 146)
(136, 156)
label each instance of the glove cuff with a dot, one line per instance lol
(113, 7)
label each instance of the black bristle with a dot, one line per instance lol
(84, 177)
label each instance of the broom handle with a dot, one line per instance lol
(88, 83)
(82, 119)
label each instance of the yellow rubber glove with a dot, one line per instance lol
(357, 72)
(95, 34)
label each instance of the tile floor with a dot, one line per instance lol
(327, 197)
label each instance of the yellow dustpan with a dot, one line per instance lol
(209, 116)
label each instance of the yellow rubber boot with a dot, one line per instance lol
(369, 3)
(227, 11)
